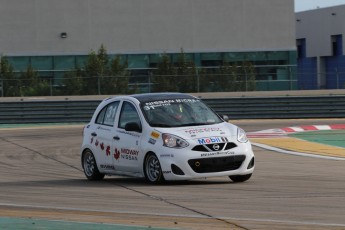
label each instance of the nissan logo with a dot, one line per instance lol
(216, 147)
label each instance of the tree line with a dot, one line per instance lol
(102, 74)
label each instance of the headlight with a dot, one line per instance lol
(172, 141)
(241, 135)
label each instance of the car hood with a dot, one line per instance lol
(194, 132)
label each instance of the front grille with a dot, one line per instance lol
(214, 147)
(230, 145)
(216, 164)
(200, 148)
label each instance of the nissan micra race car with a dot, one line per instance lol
(163, 136)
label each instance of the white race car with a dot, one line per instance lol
(163, 136)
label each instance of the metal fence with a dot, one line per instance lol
(101, 85)
(145, 83)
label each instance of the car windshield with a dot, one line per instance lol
(178, 113)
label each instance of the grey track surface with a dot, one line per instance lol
(41, 177)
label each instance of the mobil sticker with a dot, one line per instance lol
(210, 140)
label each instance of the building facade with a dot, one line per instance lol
(56, 36)
(321, 61)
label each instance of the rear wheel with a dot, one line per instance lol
(90, 166)
(152, 169)
(240, 178)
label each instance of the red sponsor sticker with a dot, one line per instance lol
(116, 154)
(108, 150)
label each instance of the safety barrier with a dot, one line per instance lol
(46, 111)
(282, 107)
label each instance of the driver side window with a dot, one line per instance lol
(128, 114)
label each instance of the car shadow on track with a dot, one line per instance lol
(109, 181)
(127, 181)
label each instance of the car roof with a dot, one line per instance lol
(145, 97)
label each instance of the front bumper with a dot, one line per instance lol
(188, 164)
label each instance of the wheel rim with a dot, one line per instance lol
(89, 164)
(153, 168)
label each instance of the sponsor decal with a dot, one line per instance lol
(96, 143)
(162, 102)
(154, 134)
(152, 141)
(210, 140)
(107, 151)
(186, 100)
(129, 154)
(116, 154)
(107, 167)
(155, 104)
(129, 133)
(166, 172)
(217, 153)
(102, 146)
(126, 154)
(166, 155)
(106, 129)
(91, 141)
(202, 130)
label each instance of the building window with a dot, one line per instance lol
(337, 49)
(301, 48)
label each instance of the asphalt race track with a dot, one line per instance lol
(41, 178)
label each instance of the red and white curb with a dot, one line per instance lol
(313, 128)
(283, 132)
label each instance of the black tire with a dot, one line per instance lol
(152, 169)
(90, 166)
(240, 178)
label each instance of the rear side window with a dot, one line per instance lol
(107, 115)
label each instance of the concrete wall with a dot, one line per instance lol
(33, 27)
(317, 27)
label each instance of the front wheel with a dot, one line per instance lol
(240, 178)
(152, 169)
(90, 167)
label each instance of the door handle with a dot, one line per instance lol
(94, 134)
(116, 138)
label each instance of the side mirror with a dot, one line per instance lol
(225, 118)
(133, 127)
